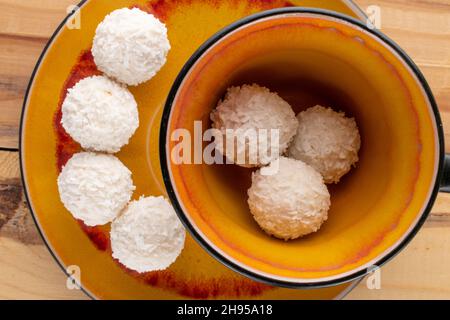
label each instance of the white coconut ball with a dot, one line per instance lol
(95, 187)
(250, 108)
(130, 46)
(100, 114)
(148, 235)
(291, 201)
(327, 141)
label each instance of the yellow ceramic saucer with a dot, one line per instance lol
(45, 147)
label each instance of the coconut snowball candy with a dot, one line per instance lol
(130, 46)
(328, 141)
(148, 235)
(290, 202)
(95, 187)
(252, 107)
(100, 114)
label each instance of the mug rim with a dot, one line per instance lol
(164, 159)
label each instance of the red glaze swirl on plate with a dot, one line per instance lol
(191, 285)
(164, 8)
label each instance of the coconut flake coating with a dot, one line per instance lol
(327, 141)
(252, 107)
(100, 114)
(148, 235)
(95, 187)
(290, 203)
(130, 46)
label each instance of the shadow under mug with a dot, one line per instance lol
(311, 57)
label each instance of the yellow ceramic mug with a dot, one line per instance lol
(311, 57)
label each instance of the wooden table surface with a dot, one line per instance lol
(27, 270)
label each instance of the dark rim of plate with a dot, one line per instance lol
(22, 117)
(165, 166)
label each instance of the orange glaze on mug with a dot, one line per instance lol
(46, 147)
(66, 147)
(374, 205)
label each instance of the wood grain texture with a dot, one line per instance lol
(27, 270)
(32, 18)
(419, 272)
(25, 27)
(421, 27)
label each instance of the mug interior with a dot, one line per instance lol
(310, 59)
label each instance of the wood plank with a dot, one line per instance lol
(422, 28)
(17, 60)
(27, 270)
(25, 28)
(32, 18)
(419, 272)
